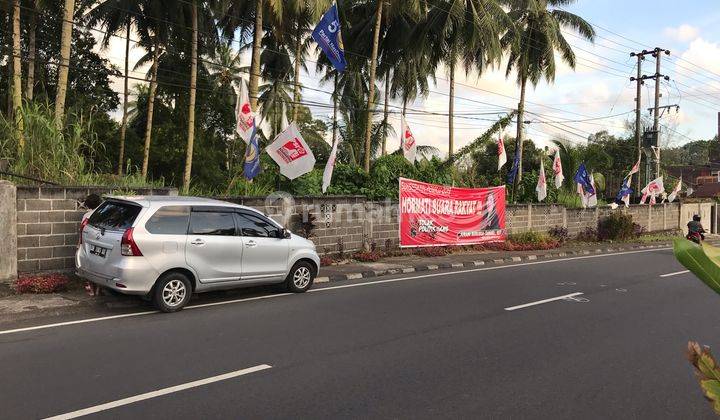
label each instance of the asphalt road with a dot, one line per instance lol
(440, 345)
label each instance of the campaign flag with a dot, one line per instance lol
(244, 117)
(502, 156)
(407, 141)
(251, 167)
(582, 177)
(592, 197)
(583, 196)
(557, 170)
(652, 190)
(328, 36)
(635, 169)
(541, 187)
(516, 165)
(434, 215)
(623, 196)
(291, 153)
(675, 191)
(330, 166)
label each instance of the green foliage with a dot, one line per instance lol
(707, 372)
(347, 180)
(616, 226)
(703, 261)
(384, 174)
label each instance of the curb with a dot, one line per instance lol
(481, 263)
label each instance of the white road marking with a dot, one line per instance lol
(540, 302)
(158, 393)
(675, 274)
(324, 289)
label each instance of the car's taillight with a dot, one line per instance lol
(128, 247)
(84, 223)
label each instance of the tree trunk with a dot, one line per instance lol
(123, 125)
(451, 110)
(371, 93)
(520, 123)
(150, 110)
(298, 61)
(191, 107)
(32, 29)
(63, 69)
(335, 109)
(255, 63)
(385, 114)
(17, 77)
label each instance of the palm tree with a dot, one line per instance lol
(532, 43)
(191, 104)
(225, 65)
(467, 32)
(36, 7)
(17, 76)
(115, 16)
(64, 67)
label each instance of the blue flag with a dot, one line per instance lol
(327, 35)
(516, 165)
(251, 167)
(625, 190)
(582, 177)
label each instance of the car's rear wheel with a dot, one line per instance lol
(300, 278)
(172, 292)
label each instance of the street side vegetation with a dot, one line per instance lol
(62, 121)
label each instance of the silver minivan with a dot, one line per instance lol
(168, 248)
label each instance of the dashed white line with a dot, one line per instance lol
(540, 302)
(158, 393)
(675, 274)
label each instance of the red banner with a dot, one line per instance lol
(435, 215)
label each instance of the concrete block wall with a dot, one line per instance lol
(8, 231)
(48, 220)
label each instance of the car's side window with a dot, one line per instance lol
(212, 223)
(256, 226)
(169, 220)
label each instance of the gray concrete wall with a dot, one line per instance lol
(8, 232)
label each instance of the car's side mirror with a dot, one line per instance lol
(285, 234)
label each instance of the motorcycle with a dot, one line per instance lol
(696, 237)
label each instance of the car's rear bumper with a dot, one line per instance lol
(131, 278)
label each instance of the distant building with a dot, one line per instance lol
(703, 179)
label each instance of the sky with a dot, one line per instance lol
(598, 90)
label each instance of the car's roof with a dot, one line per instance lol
(161, 200)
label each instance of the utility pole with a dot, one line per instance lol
(638, 116)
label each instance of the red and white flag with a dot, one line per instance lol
(675, 191)
(541, 187)
(557, 170)
(244, 117)
(635, 169)
(407, 141)
(502, 156)
(291, 153)
(652, 190)
(330, 166)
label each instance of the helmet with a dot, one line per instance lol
(696, 218)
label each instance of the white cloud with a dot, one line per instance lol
(682, 33)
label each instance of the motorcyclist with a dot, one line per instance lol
(695, 227)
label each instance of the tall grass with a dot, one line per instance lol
(61, 155)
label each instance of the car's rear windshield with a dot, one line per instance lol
(114, 215)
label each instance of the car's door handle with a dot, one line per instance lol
(197, 242)
(250, 244)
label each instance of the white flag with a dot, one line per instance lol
(407, 141)
(652, 190)
(675, 191)
(583, 196)
(592, 198)
(291, 153)
(244, 117)
(557, 169)
(542, 183)
(502, 156)
(330, 166)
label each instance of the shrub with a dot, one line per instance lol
(326, 260)
(617, 226)
(370, 256)
(559, 233)
(46, 283)
(433, 251)
(588, 235)
(532, 240)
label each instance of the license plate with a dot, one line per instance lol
(99, 251)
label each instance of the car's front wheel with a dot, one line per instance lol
(172, 292)
(301, 277)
